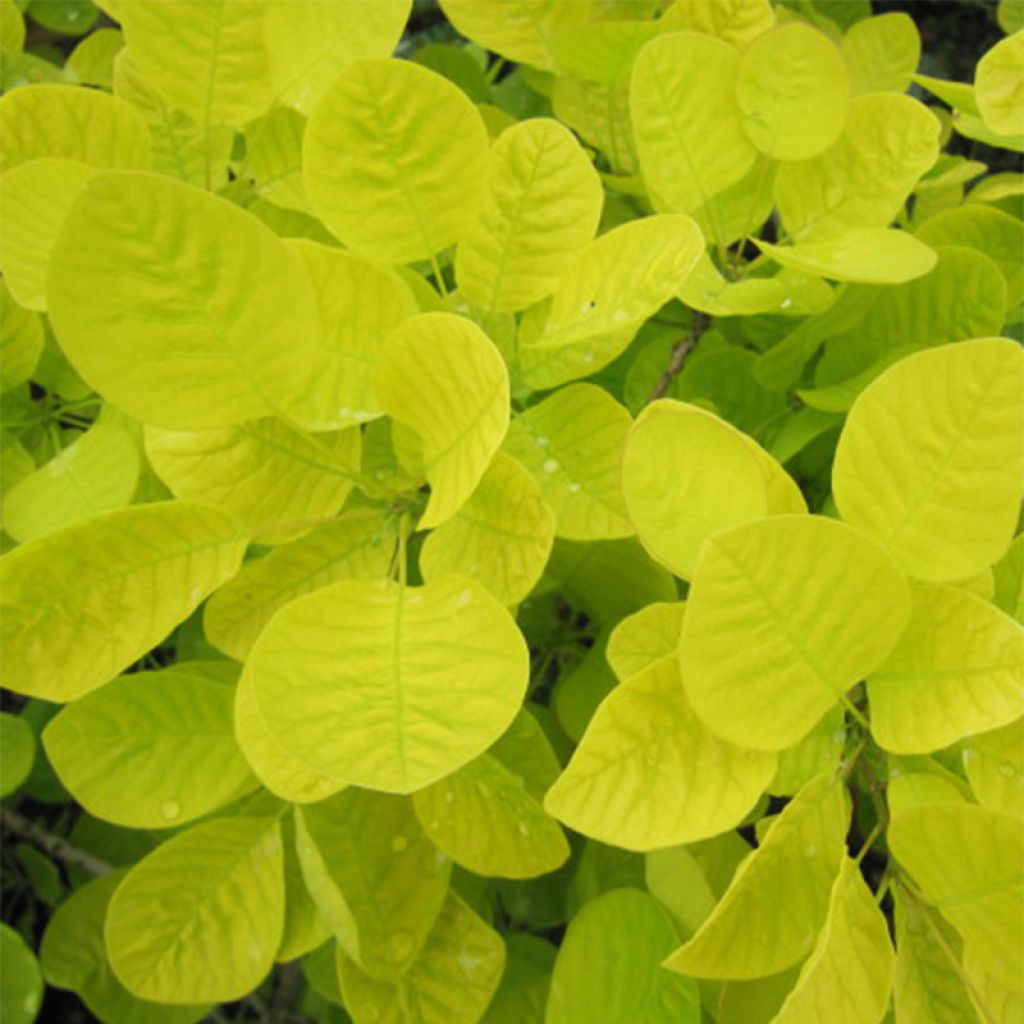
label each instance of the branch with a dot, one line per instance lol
(682, 348)
(286, 991)
(57, 848)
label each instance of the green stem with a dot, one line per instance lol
(438, 277)
(855, 713)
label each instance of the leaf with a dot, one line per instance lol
(687, 474)
(21, 341)
(304, 928)
(70, 123)
(779, 897)
(179, 285)
(1008, 581)
(785, 615)
(882, 53)
(98, 472)
(736, 21)
(360, 303)
(646, 636)
(266, 474)
(994, 762)
(357, 545)
(523, 993)
(927, 988)
(91, 62)
(17, 752)
(74, 957)
(36, 196)
(848, 976)
(957, 669)
(207, 60)
(875, 255)
(922, 442)
(648, 774)
(687, 121)
(364, 702)
(21, 982)
(150, 749)
(522, 31)
(999, 85)
(599, 114)
(862, 180)
(487, 816)
(571, 442)
(309, 43)
(542, 206)
(375, 876)
(395, 160)
(966, 861)
(792, 292)
(617, 282)
(450, 982)
(608, 966)
(80, 605)
(200, 918)
(501, 537)
(794, 90)
(441, 376)
(819, 751)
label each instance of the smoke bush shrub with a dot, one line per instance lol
(525, 529)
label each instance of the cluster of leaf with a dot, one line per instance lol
(409, 565)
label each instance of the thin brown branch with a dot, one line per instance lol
(682, 348)
(56, 847)
(287, 985)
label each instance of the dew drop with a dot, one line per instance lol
(344, 412)
(399, 843)
(574, 487)
(468, 963)
(195, 595)
(587, 357)
(543, 442)
(485, 790)
(550, 465)
(170, 809)
(524, 829)
(449, 797)
(1007, 770)
(785, 303)
(464, 599)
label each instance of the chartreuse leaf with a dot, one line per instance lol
(779, 897)
(957, 669)
(395, 160)
(994, 762)
(21, 981)
(360, 303)
(793, 87)
(70, 123)
(96, 473)
(613, 286)
(359, 544)
(265, 473)
(74, 957)
(649, 774)
(644, 637)
(304, 928)
(864, 177)
(273, 157)
(784, 615)
(571, 442)
(181, 147)
(791, 292)
(375, 876)
(501, 537)
(150, 750)
(922, 443)
(520, 30)
(927, 988)
(392, 687)
(200, 918)
(523, 992)
(207, 60)
(687, 474)
(817, 752)
(309, 43)
(688, 124)
(487, 816)
(543, 204)
(1005, 1006)
(451, 981)
(599, 114)
(676, 879)
(21, 341)
(91, 62)
(609, 966)
(17, 752)
(179, 285)
(999, 86)
(992, 232)
(736, 21)
(874, 255)
(757, 1000)
(81, 604)
(882, 53)
(440, 375)
(1008, 580)
(966, 861)
(35, 197)
(848, 976)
